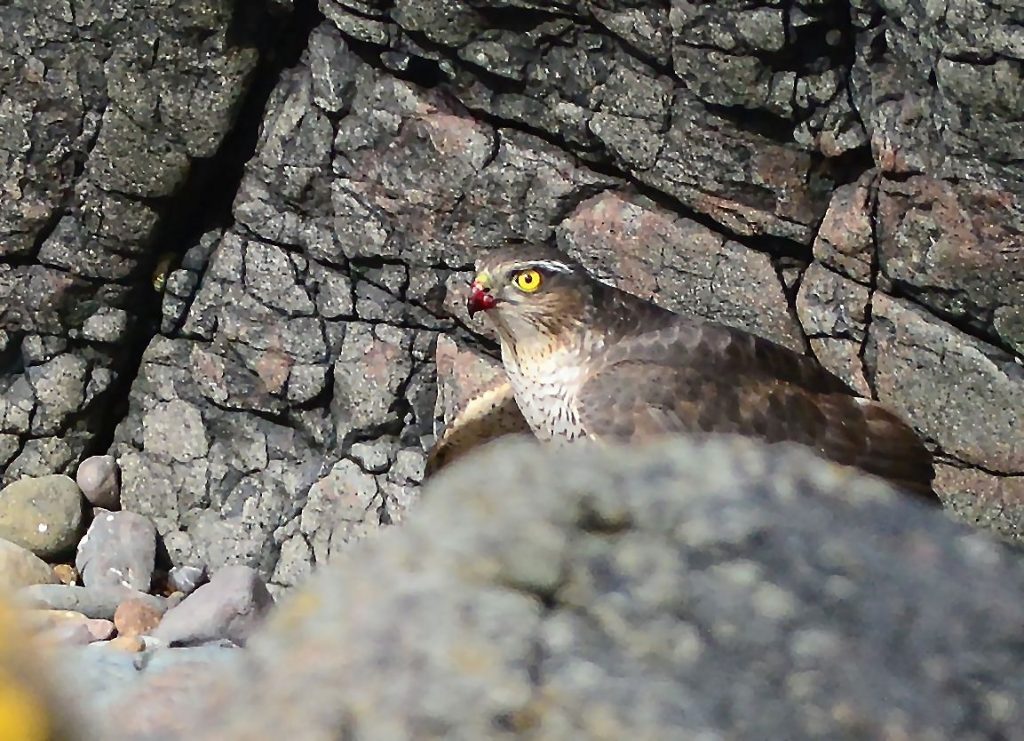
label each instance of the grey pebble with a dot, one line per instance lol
(41, 514)
(186, 579)
(99, 478)
(118, 549)
(93, 602)
(230, 606)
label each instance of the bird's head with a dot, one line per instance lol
(527, 290)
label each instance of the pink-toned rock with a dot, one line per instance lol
(845, 241)
(474, 401)
(100, 629)
(958, 244)
(656, 254)
(462, 376)
(68, 633)
(47, 619)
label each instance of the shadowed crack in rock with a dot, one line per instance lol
(203, 200)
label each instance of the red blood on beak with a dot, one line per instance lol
(479, 299)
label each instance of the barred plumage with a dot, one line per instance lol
(585, 359)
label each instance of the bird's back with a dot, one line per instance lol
(660, 372)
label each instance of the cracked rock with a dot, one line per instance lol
(954, 378)
(679, 264)
(103, 111)
(297, 347)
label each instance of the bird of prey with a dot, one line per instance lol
(586, 360)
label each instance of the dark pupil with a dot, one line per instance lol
(528, 278)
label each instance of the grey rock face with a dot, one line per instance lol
(230, 607)
(103, 109)
(639, 592)
(119, 549)
(839, 177)
(99, 478)
(43, 515)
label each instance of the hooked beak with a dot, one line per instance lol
(480, 298)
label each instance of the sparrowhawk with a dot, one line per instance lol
(586, 360)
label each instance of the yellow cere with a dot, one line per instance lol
(527, 281)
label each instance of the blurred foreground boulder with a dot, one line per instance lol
(712, 590)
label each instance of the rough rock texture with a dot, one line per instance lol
(104, 109)
(722, 590)
(842, 177)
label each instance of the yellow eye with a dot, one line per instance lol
(527, 281)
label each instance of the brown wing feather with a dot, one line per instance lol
(491, 413)
(706, 378)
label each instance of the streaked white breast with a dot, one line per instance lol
(545, 383)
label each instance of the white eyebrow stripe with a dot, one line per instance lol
(558, 267)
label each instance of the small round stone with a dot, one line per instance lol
(42, 514)
(99, 478)
(100, 629)
(135, 618)
(65, 573)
